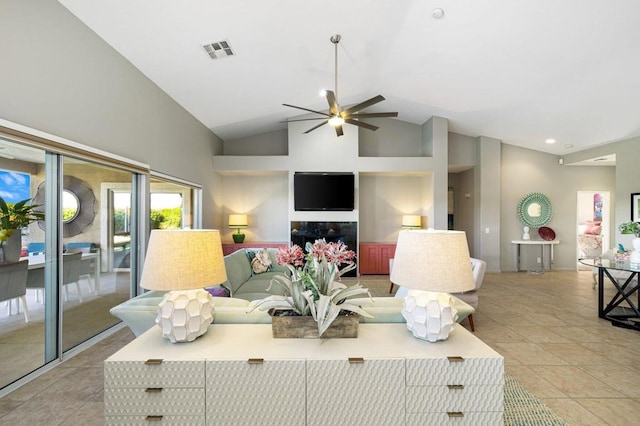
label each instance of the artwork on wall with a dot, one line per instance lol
(597, 207)
(635, 207)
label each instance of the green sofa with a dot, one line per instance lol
(139, 313)
(243, 284)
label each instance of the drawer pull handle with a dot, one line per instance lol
(356, 360)
(453, 387)
(455, 414)
(153, 390)
(455, 359)
(255, 361)
(153, 418)
(153, 361)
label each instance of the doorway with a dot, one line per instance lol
(593, 221)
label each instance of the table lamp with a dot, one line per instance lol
(183, 262)
(431, 264)
(238, 221)
(411, 221)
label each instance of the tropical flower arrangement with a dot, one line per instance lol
(313, 287)
(16, 216)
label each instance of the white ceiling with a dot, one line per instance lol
(521, 71)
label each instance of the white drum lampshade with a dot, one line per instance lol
(183, 262)
(431, 264)
(412, 221)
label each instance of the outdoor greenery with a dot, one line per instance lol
(170, 218)
(166, 218)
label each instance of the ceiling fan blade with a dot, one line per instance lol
(363, 105)
(339, 131)
(302, 119)
(309, 110)
(361, 124)
(334, 108)
(374, 115)
(315, 127)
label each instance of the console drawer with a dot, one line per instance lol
(168, 401)
(150, 421)
(444, 371)
(165, 374)
(473, 418)
(422, 399)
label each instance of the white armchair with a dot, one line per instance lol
(470, 297)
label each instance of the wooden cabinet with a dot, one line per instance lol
(239, 374)
(228, 248)
(374, 258)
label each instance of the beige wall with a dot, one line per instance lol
(59, 77)
(525, 171)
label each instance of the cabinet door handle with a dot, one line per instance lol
(453, 387)
(153, 418)
(455, 414)
(153, 390)
(255, 361)
(153, 361)
(356, 360)
(455, 359)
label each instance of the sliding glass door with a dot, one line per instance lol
(22, 303)
(90, 288)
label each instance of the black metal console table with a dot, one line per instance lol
(621, 315)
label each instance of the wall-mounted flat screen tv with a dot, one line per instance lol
(318, 191)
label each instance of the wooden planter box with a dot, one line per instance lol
(298, 327)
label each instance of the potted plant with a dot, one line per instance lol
(632, 228)
(13, 217)
(312, 289)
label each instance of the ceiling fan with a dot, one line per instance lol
(337, 116)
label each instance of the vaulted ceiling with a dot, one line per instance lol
(521, 71)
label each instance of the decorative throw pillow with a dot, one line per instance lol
(593, 228)
(260, 261)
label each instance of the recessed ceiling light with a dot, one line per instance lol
(437, 13)
(568, 145)
(550, 141)
(322, 93)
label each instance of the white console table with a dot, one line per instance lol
(541, 243)
(237, 374)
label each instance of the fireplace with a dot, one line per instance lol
(347, 232)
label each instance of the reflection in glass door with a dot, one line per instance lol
(90, 290)
(22, 309)
(121, 225)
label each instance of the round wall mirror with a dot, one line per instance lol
(78, 206)
(534, 210)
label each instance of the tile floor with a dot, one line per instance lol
(546, 326)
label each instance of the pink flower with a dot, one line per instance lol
(290, 256)
(338, 253)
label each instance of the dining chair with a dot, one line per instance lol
(13, 285)
(71, 269)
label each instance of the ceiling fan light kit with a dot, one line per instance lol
(338, 116)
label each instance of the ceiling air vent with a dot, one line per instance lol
(219, 49)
